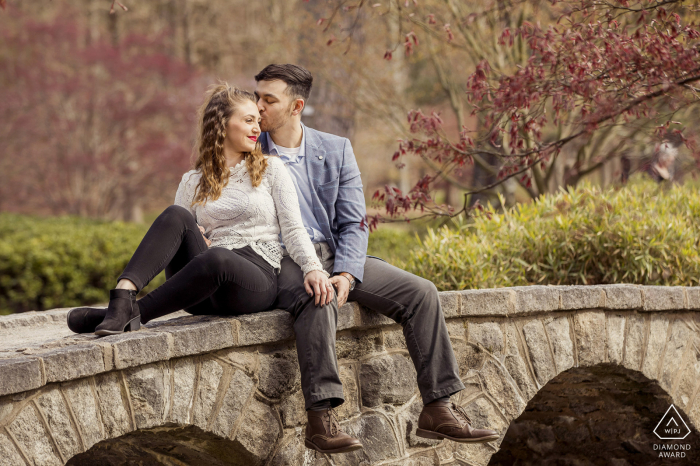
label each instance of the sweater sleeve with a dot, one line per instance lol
(294, 235)
(185, 192)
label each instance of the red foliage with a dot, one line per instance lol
(601, 64)
(90, 129)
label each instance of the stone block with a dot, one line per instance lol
(373, 319)
(133, 349)
(536, 298)
(350, 392)
(494, 302)
(616, 337)
(73, 362)
(279, 373)
(240, 389)
(540, 355)
(31, 436)
(243, 358)
(184, 375)
(292, 450)
(680, 337)
(485, 415)
(622, 297)
(635, 342)
(581, 297)
(450, 303)
(488, 335)
(149, 390)
(663, 298)
(292, 410)
(8, 452)
(23, 319)
(474, 454)
(469, 356)
(498, 385)
(19, 375)
(356, 344)
(560, 337)
(515, 363)
(58, 419)
(114, 407)
(457, 328)
(82, 401)
(378, 439)
(348, 316)
(409, 423)
(655, 345)
(253, 443)
(265, 327)
(394, 338)
(589, 330)
(689, 377)
(692, 295)
(209, 377)
(199, 338)
(387, 379)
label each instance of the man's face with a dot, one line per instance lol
(274, 105)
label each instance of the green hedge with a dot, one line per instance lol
(63, 261)
(639, 234)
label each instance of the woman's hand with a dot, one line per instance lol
(206, 240)
(318, 285)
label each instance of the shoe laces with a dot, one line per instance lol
(333, 422)
(461, 412)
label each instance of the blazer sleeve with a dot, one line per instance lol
(353, 236)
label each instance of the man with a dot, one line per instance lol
(332, 203)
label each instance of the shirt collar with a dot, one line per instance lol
(272, 147)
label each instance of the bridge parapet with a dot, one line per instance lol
(217, 380)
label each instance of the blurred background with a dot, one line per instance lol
(98, 114)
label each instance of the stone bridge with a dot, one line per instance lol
(567, 375)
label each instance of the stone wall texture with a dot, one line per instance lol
(205, 390)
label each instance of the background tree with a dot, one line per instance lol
(556, 90)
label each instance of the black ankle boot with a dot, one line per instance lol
(122, 313)
(85, 319)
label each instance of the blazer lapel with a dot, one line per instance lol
(315, 164)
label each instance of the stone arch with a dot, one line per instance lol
(510, 365)
(209, 406)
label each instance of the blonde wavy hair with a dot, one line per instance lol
(221, 102)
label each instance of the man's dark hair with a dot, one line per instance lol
(298, 79)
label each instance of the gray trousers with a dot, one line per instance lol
(409, 300)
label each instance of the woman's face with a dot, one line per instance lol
(243, 128)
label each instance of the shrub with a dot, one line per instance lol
(394, 245)
(63, 261)
(639, 234)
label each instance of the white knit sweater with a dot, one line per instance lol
(247, 216)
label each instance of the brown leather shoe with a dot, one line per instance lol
(323, 433)
(448, 420)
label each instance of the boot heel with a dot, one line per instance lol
(428, 434)
(133, 325)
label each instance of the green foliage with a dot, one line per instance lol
(394, 245)
(63, 261)
(639, 234)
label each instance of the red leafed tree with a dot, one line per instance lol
(595, 70)
(95, 129)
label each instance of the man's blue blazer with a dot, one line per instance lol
(338, 200)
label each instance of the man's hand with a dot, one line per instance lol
(342, 288)
(318, 285)
(206, 240)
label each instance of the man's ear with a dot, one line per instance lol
(298, 106)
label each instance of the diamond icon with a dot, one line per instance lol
(672, 426)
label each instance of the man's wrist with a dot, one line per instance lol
(349, 278)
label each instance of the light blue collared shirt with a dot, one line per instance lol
(300, 176)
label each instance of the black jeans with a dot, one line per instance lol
(200, 280)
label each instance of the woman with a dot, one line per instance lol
(219, 243)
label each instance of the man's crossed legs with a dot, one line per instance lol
(410, 301)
